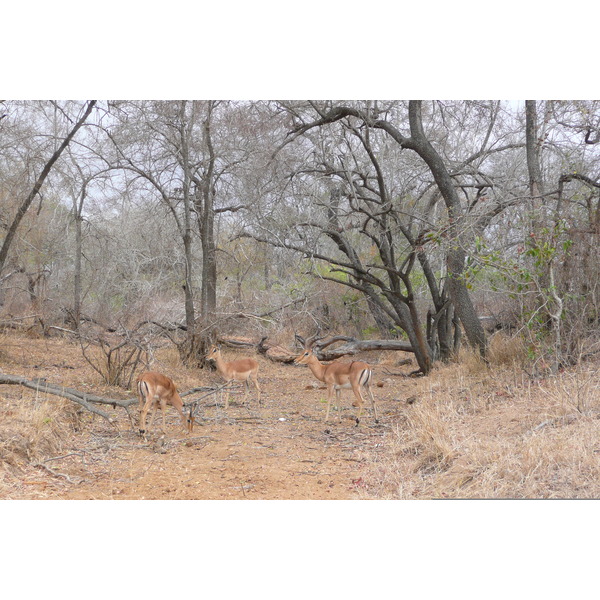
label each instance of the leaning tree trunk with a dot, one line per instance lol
(457, 231)
(193, 349)
(12, 230)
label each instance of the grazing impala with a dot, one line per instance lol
(156, 390)
(243, 369)
(338, 376)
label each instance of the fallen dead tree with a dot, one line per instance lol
(351, 347)
(82, 398)
(321, 347)
(273, 352)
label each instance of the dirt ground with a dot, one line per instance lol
(465, 431)
(281, 450)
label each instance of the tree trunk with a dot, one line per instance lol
(77, 275)
(536, 186)
(457, 232)
(209, 270)
(209, 254)
(550, 299)
(352, 346)
(78, 220)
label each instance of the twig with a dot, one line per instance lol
(388, 372)
(194, 403)
(56, 473)
(196, 389)
(543, 424)
(64, 456)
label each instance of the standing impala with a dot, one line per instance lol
(155, 389)
(243, 369)
(338, 376)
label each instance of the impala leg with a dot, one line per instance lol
(329, 398)
(163, 408)
(186, 422)
(142, 424)
(373, 403)
(247, 385)
(141, 404)
(338, 401)
(255, 382)
(143, 414)
(359, 401)
(360, 409)
(359, 413)
(226, 392)
(153, 413)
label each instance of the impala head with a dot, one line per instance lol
(307, 353)
(213, 352)
(304, 357)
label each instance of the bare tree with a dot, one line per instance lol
(175, 152)
(152, 142)
(457, 230)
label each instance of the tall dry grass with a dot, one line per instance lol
(479, 431)
(32, 431)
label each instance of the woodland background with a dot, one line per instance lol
(430, 223)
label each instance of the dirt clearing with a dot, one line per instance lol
(281, 450)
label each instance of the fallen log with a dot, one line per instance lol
(82, 398)
(353, 346)
(236, 342)
(273, 352)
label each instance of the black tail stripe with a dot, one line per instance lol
(143, 387)
(365, 377)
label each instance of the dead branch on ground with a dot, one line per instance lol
(83, 398)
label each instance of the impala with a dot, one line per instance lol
(156, 390)
(243, 369)
(338, 376)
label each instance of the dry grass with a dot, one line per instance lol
(32, 432)
(479, 432)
